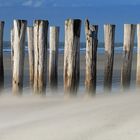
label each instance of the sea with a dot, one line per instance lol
(118, 47)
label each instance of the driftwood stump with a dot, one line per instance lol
(129, 33)
(18, 58)
(30, 35)
(91, 32)
(40, 55)
(12, 44)
(1, 55)
(138, 56)
(109, 39)
(72, 56)
(53, 59)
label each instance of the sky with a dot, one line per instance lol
(98, 12)
(55, 3)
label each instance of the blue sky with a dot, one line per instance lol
(56, 11)
(42, 3)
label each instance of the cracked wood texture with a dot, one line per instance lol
(91, 32)
(109, 40)
(53, 57)
(129, 34)
(40, 56)
(72, 56)
(18, 58)
(1, 55)
(30, 36)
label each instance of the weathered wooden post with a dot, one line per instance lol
(53, 59)
(18, 59)
(72, 56)
(91, 32)
(12, 43)
(30, 35)
(109, 39)
(138, 56)
(40, 55)
(1, 55)
(129, 34)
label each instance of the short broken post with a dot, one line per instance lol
(129, 34)
(53, 57)
(1, 55)
(18, 59)
(72, 56)
(30, 35)
(40, 56)
(109, 40)
(91, 32)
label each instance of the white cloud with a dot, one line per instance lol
(38, 3)
(74, 3)
(28, 3)
(33, 3)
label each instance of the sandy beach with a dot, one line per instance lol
(109, 117)
(36, 107)
(54, 117)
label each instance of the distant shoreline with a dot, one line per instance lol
(118, 48)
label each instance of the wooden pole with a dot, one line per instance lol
(109, 38)
(53, 61)
(12, 43)
(72, 55)
(91, 32)
(30, 33)
(138, 56)
(18, 59)
(40, 55)
(1, 55)
(129, 33)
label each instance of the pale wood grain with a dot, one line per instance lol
(109, 40)
(40, 55)
(18, 58)
(53, 57)
(72, 56)
(30, 35)
(91, 32)
(129, 34)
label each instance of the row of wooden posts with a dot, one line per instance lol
(37, 37)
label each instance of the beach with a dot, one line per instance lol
(104, 117)
(45, 95)
(56, 117)
(118, 60)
